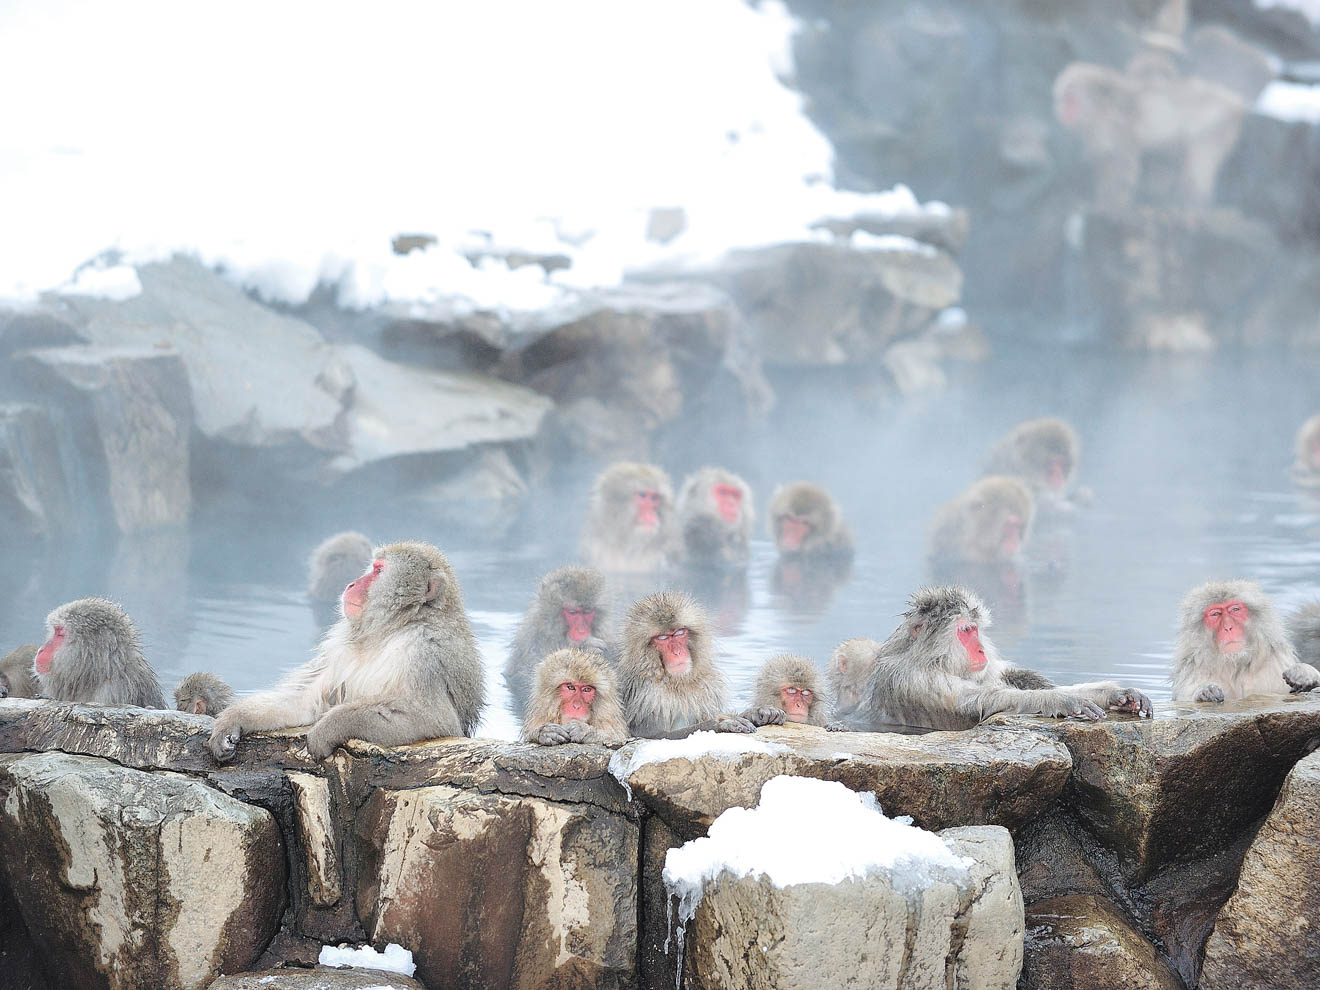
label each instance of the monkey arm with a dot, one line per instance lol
(1026, 680)
(1302, 677)
(292, 704)
(383, 721)
(765, 715)
(982, 702)
(1111, 695)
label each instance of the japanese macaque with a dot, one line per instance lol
(203, 694)
(400, 666)
(1149, 107)
(989, 521)
(806, 521)
(337, 561)
(1043, 453)
(575, 700)
(1232, 644)
(715, 516)
(92, 655)
(569, 611)
(671, 686)
(1306, 468)
(849, 672)
(939, 670)
(16, 677)
(791, 683)
(1304, 633)
(630, 524)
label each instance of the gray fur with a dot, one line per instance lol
(829, 534)
(611, 540)
(607, 724)
(205, 691)
(100, 661)
(1026, 452)
(17, 679)
(922, 677)
(543, 629)
(337, 561)
(1306, 466)
(849, 673)
(1267, 663)
(405, 669)
(1304, 633)
(970, 526)
(784, 669)
(707, 539)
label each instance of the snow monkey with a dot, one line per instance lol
(1306, 468)
(16, 677)
(400, 666)
(671, 686)
(203, 694)
(805, 520)
(630, 524)
(569, 610)
(1041, 452)
(939, 670)
(575, 700)
(336, 562)
(1231, 644)
(92, 654)
(1303, 632)
(715, 516)
(988, 522)
(792, 683)
(849, 671)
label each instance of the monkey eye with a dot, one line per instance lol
(1215, 613)
(572, 611)
(793, 692)
(588, 690)
(1235, 608)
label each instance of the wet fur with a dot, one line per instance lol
(706, 538)
(610, 540)
(100, 661)
(607, 723)
(1304, 633)
(849, 673)
(829, 534)
(970, 527)
(214, 694)
(339, 560)
(654, 701)
(785, 669)
(1025, 452)
(1304, 472)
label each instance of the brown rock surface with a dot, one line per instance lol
(320, 978)
(1083, 941)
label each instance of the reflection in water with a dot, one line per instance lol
(1188, 460)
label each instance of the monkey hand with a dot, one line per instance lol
(1211, 692)
(554, 734)
(765, 715)
(323, 739)
(1128, 699)
(224, 738)
(1073, 706)
(837, 726)
(1302, 677)
(733, 723)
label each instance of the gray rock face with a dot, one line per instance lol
(1275, 912)
(130, 879)
(953, 928)
(320, 978)
(34, 494)
(1082, 940)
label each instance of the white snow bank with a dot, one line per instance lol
(115, 282)
(1310, 9)
(395, 958)
(694, 747)
(1290, 101)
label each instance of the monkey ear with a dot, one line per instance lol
(916, 629)
(199, 706)
(434, 585)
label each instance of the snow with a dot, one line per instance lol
(727, 745)
(1310, 9)
(395, 958)
(287, 144)
(116, 282)
(1290, 102)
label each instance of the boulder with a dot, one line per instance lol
(949, 927)
(130, 415)
(992, 775)
(491, 890)
(35, 499)
(132, 879)
(320, 978)
(1186, 783)
(1082, 940)
(1274, 914)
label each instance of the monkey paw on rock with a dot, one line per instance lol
(224, 740)
(554, 734)
(733, 723)
(1073, 706)
(1302, 677)
(1211, 692)
(765, 715)
(1129, 699)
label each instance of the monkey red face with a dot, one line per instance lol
(647, 504)
(1227, 620)
(970, 638)
(793, 530)
(796, 702)
(1058, 473)
(579, 622)
(575, 698)
(46, 655)
(355, 595)
(1011, 540)
(673, 647)
(728, 500)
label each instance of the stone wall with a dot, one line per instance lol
(130, 859)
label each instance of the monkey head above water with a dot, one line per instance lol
(715, 517)
(203, 694)
(940, 670)
(792, 683)
(401, 665)
(806, 521)
(1306, 466)
(17, 679)
(575, 700)
(1232, 644)
(630, 522)
(989, 521)
(92, 654)
(1044, 454)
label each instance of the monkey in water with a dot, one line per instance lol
(1306, 466)
(1303, 633)
(988, 522)
(203, 694)
(715, 517)
(16, 677)
(570, 610)
(334, 563)
(1232, 644)
(792, 683)
(671, 686)
(1043, 453)
(940, 671)
(400, 666)
(92, 654)
(575, 700)
(805, 521)
(630, 523)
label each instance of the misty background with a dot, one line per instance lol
(423, 271)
